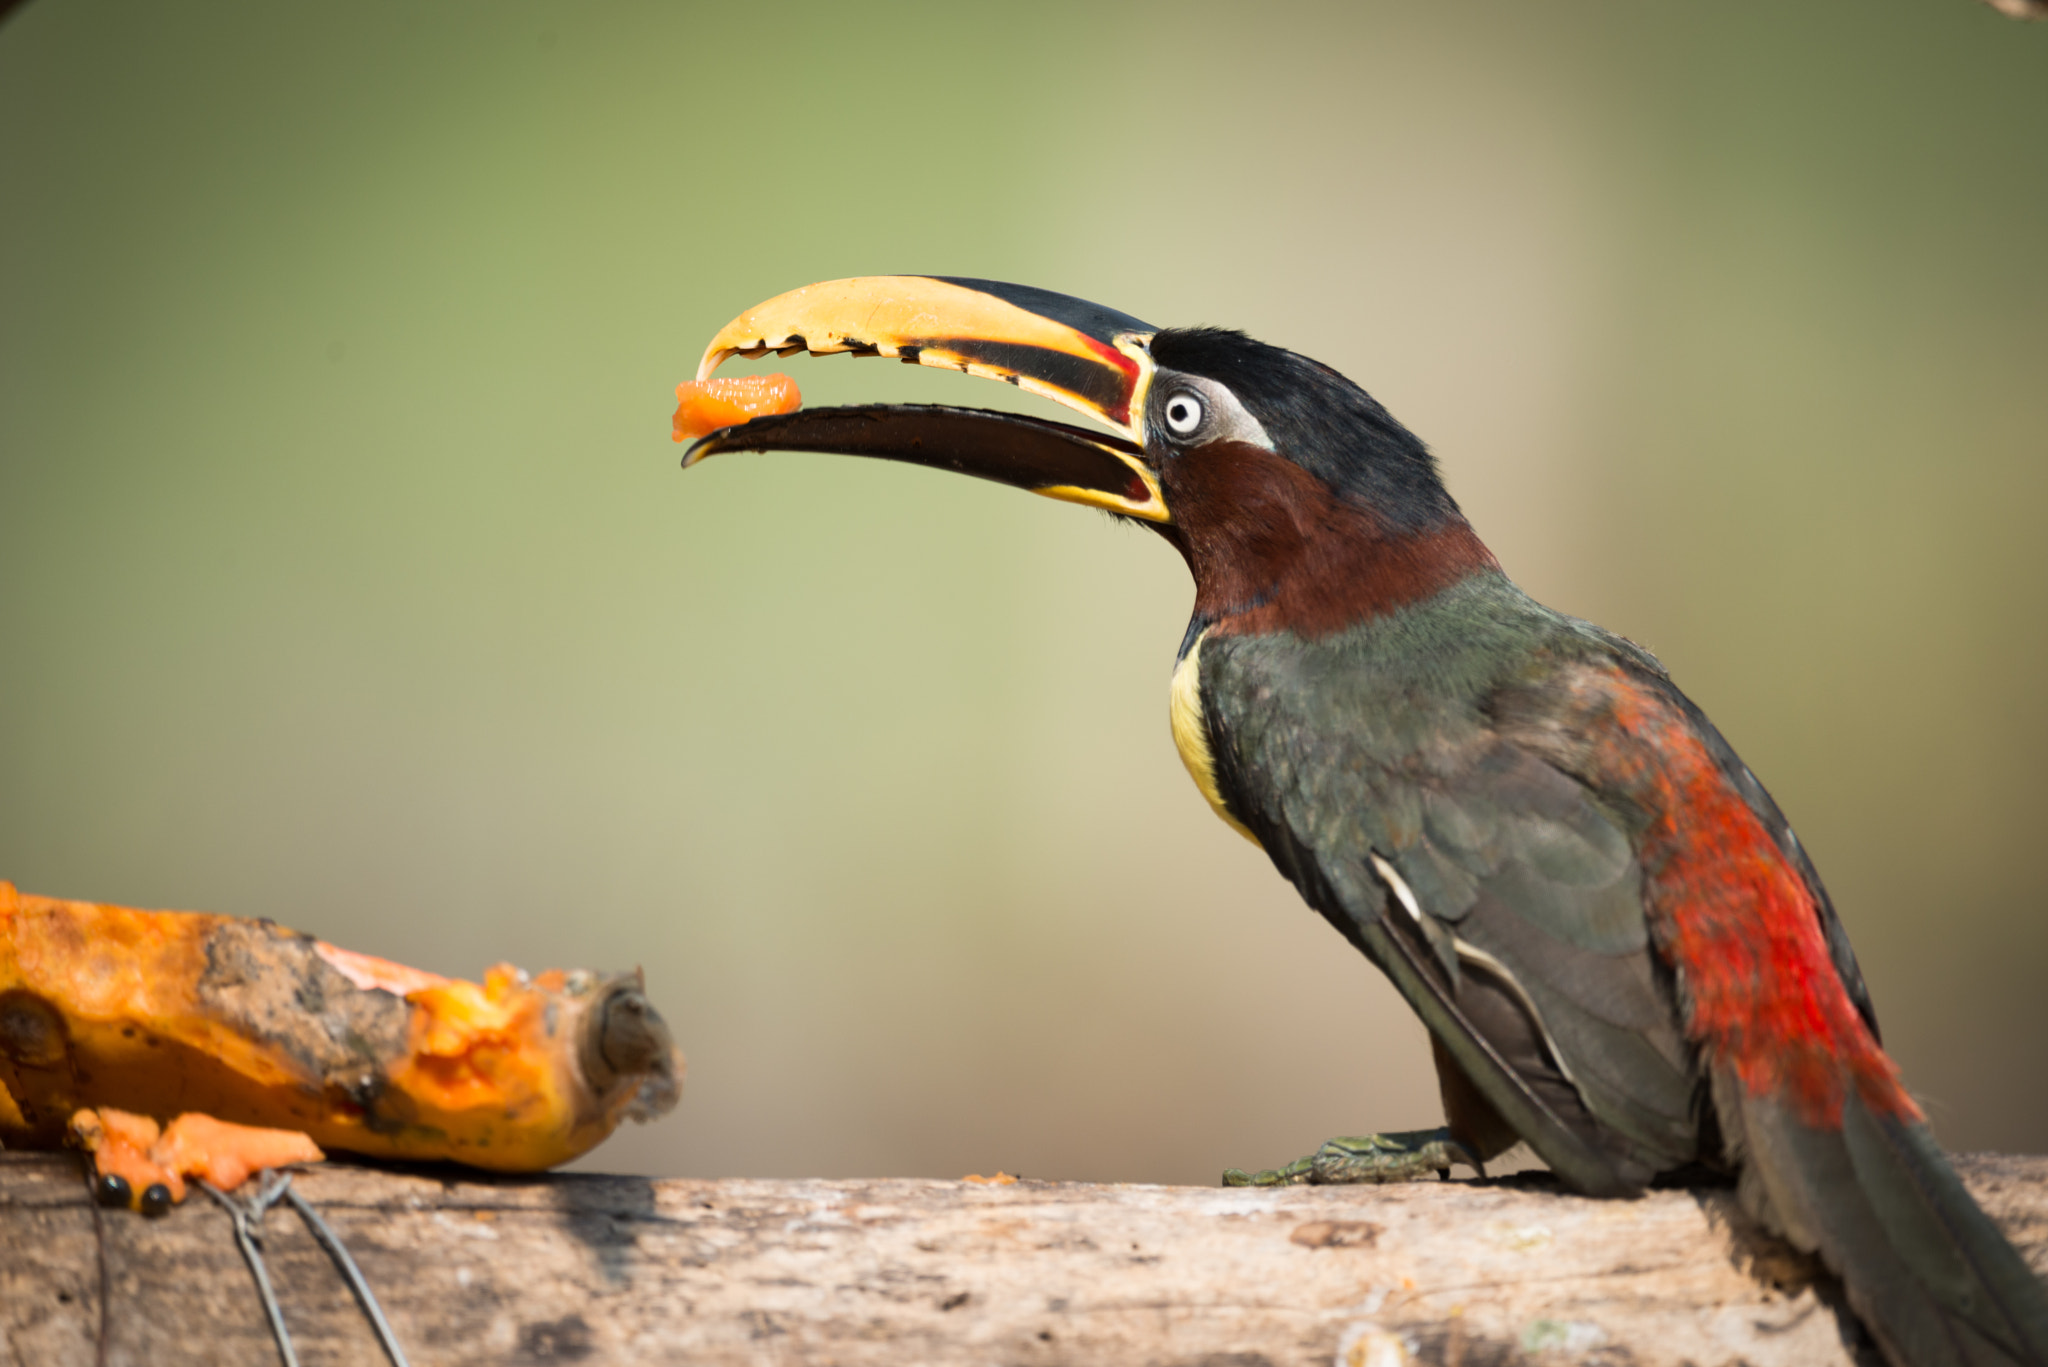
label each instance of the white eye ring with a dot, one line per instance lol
(1183, 412)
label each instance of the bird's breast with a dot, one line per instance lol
(1191, 734)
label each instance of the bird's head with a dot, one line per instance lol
(1298, 501)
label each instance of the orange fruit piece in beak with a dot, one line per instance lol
(704, 406)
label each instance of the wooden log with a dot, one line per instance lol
(594, 1269)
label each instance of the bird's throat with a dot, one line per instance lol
(1273, 548)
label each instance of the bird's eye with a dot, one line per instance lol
(1183, 413)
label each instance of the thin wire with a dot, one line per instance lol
(99, 1239)
(331, 1241)
(253, 1255)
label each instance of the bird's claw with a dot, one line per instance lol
(1402, 1156)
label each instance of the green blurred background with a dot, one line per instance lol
(347, 576)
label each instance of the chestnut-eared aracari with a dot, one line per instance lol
(1622, 953)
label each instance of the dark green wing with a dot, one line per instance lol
(1501, 895)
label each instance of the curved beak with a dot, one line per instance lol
(1088, 357)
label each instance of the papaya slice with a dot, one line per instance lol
(159, 1013)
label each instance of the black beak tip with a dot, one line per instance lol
(707, 445)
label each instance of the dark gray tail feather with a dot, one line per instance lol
(1927, 1272)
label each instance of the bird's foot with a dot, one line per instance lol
(1398, 1156)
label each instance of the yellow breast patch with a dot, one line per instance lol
(1191, 734)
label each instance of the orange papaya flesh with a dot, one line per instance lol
(132, 1149)
(704, 406)
(366, 972)
(120, 1145)
(197, 1145)
(162, 1013)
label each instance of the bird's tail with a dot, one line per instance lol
(1931, 1277)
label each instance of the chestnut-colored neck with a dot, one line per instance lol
(1274, 548)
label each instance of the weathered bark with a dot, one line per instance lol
(618, 1269)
